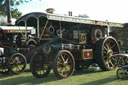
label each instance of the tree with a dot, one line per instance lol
(14, 11)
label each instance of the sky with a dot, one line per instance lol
(111, 10)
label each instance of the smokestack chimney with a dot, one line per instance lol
(70, 13)
(8, 12)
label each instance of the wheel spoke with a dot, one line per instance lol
(62, 58)
(59, 60)
(126, 60)
(107, 46)
(113, 46)
(67, 60)
(105, 49)
(39, 66)
(111, 63)
(115, 60)
(63, 68)
(60, 69)
(109, 43)
(18, 68)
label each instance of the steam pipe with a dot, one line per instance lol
(8, 12)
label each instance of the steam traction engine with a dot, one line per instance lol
(63, 43)
(14, 36)
(66, 43)
(13, 46)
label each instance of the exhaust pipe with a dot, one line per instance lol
(8, 12)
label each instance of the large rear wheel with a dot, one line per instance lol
(39, 65)
(104, 50)
(63, 64)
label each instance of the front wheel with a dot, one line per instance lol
(17, 63)
(39, 65)
(63, 64)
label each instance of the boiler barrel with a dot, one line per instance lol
(68, 46)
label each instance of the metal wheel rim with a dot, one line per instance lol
(120, 74)
(123, 60)
(17, 63)
(109, 48)
(40, 66)
(64, 65)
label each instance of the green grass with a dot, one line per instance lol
(90, 77)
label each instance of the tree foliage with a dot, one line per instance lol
(14, 11)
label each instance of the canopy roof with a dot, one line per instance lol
(66, 18)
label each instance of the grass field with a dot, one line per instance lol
(90, 77)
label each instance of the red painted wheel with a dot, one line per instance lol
(63, 64)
